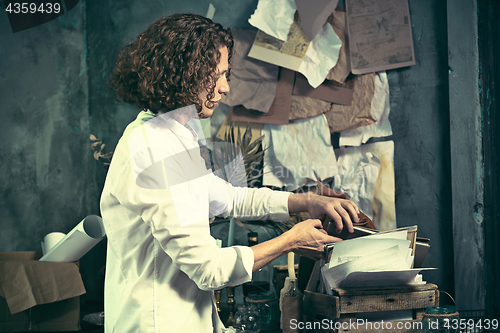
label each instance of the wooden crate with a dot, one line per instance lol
(344, 305)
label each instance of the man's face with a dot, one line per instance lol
(221, 87)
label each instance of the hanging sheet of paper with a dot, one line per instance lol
(356, 176)
(380, 35)
(375, 190)
(340, 117)
(274, 17)
(380, 109)
(296, 151)
(313, 58)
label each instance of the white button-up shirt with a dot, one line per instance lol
(162, 263)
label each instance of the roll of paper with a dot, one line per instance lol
(51, 240)
(78, 241)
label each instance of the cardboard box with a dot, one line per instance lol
(38, 296)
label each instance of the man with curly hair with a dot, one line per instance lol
(162, 263)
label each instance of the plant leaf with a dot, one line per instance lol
(247, 137)
(254, 144)
(93, 145)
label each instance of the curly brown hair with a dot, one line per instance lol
(169, 64)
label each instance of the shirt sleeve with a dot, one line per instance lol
(247, 203)
(158, 187)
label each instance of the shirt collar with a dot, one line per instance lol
(166, 119)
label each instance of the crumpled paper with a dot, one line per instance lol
(295, 152)
(357, 174)
(344, 117)
(304, 107)
(380, 109)
(274, 17)
(366, 174)
(321, 55)
(340, 117)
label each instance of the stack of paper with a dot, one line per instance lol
(380, 259)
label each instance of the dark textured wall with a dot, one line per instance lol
(45, 173)
(420, 123)
(54, 93)
(489, 62)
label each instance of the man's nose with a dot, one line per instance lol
(224, 87)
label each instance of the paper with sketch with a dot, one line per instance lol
(288, 53)
(253, 82)
(314, 17)
(297, 150)
(408, 234)
(380, 109)
(380, 35)
(313, 58)
(274, 17)
(421, 244)
(78, 241)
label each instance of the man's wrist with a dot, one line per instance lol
(289, 241)
(299, 202)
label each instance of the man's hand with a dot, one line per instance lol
(310, 238)
(307, 238)
(341, 211)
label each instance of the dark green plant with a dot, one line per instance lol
(238, 159)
